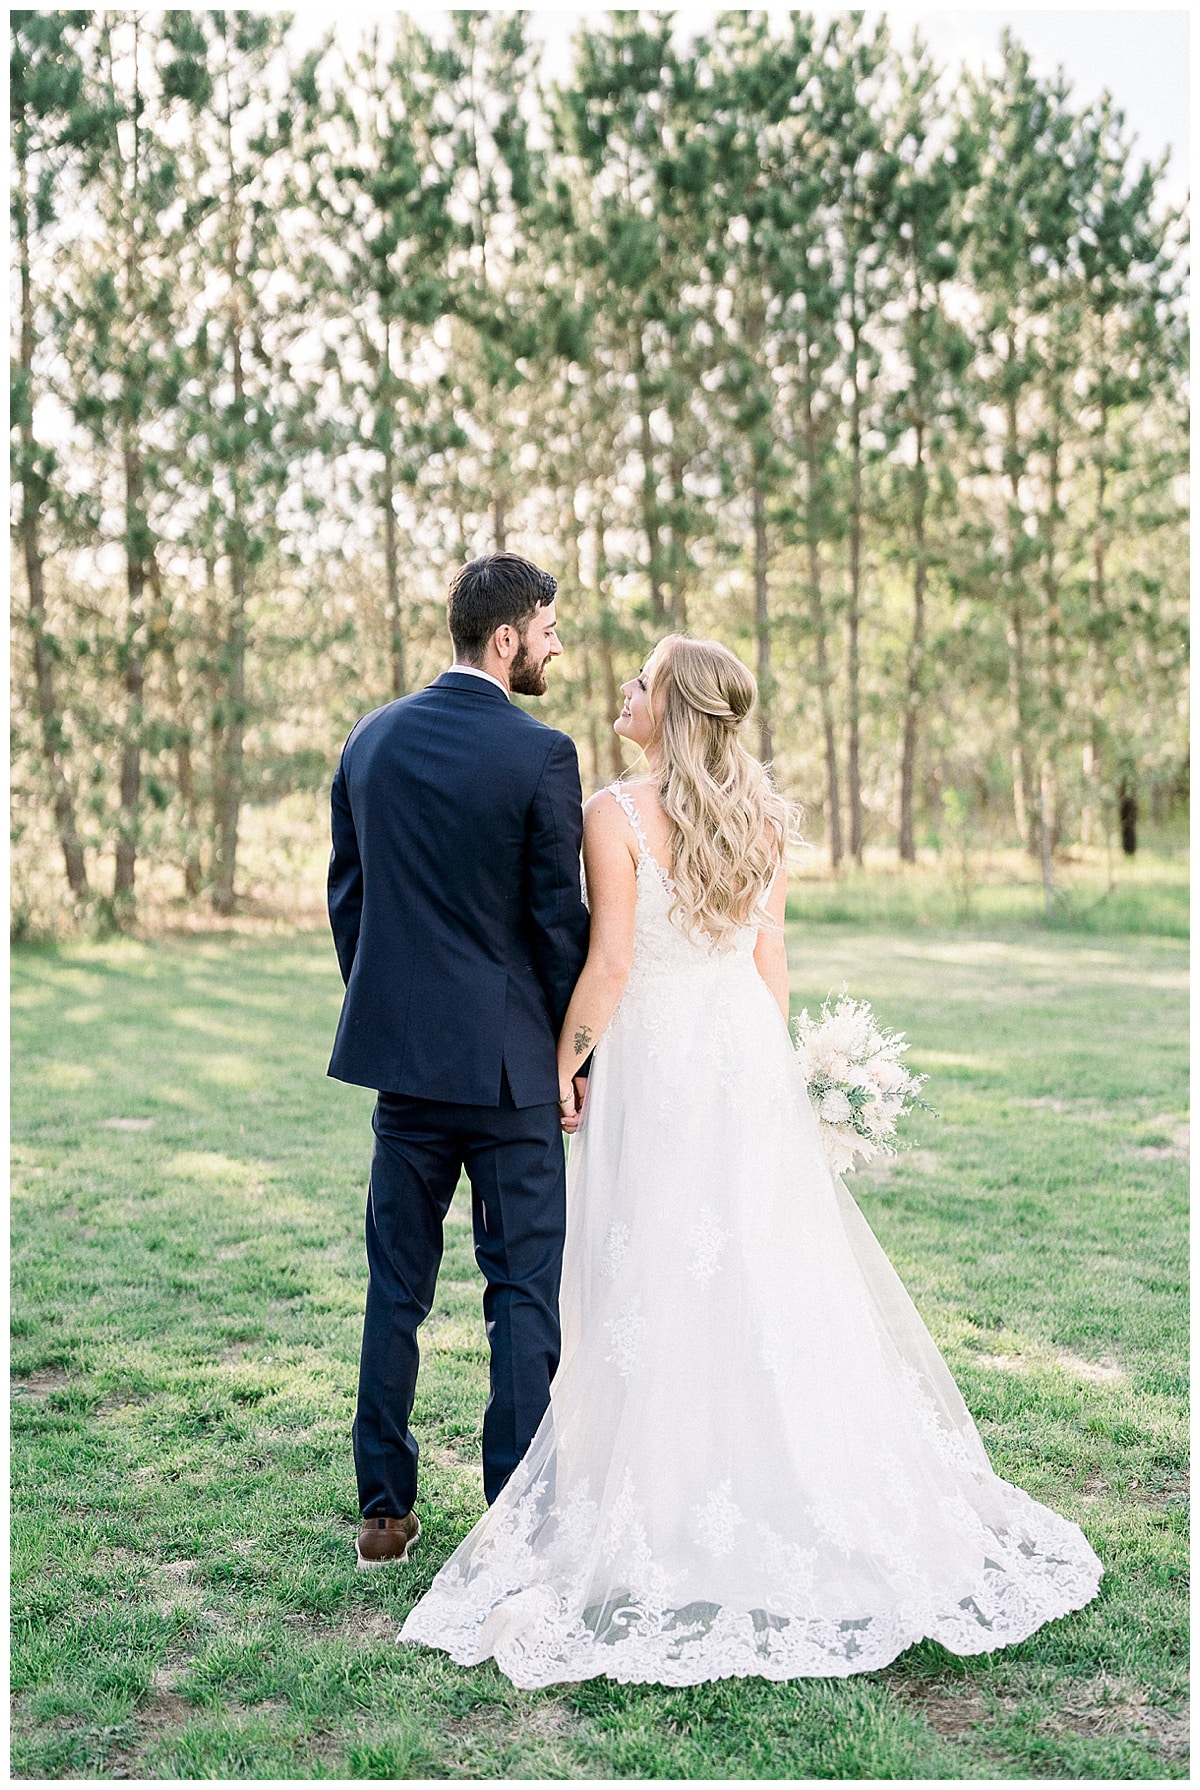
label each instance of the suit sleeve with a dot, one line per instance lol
(345, 892)
(560, 919)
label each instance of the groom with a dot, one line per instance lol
(454, 898)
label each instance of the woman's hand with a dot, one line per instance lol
(570, 1105)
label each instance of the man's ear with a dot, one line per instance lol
(505, 640)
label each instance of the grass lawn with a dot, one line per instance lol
(188, 1269)
(1095, 891)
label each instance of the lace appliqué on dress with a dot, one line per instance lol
(715, 1523)
(616, 1242)
(705, 1247)
(625, 1337)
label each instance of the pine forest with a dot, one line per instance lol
(786, 334)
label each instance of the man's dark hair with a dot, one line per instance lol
(489, 592)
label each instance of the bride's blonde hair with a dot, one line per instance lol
(729, 825)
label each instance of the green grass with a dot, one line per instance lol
(186, 1320)
(1094, 892)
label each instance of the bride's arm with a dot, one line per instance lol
(612, 898)
(770, 952)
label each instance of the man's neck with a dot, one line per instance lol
(484, 671)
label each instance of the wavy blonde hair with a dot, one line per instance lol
(729, 825)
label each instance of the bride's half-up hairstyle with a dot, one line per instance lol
(729, 825)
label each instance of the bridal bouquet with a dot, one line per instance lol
(856, 1082)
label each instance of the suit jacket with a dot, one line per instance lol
(454, 896)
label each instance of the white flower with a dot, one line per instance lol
(889, 1077)
(836, 1108)
(845, 1031)
(840, 1148)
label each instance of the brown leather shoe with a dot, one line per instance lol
(381, 1539)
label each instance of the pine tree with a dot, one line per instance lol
(497, 180)
(1133, 365)
(814, 350)
(374, 174)
(632, 121)
(858, 71)
(751, 99)
(929, 169)
(120, 317)
(1023, 129)
(239, 443)
(584, 449)
(45, 100)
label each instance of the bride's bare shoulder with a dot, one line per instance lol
(603, 811)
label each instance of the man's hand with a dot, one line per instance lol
(571, 1115)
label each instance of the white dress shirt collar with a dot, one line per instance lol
(474, 671)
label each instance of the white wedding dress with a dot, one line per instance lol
(755, 1461)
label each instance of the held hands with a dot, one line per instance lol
(570, 1105)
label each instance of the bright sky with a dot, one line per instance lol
(1140, 55)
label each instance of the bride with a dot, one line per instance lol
(755, 1460)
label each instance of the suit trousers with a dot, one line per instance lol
(515, 1162)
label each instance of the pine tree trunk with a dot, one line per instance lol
(187, 802)
(228, 785)
(134, 683)
(853, 702)
(574, 530)
(1044, 840)
(1018, 700)
(1089, 828)
(679, 616)
(650, 520)
(391, 559)
(137, 539)
(612, 689)
(228, 789)
(915, 666)
(49, 714)
(1022, 775)
(612, 696)
(184, 774)
(1127, 813)
(762, 627)
(216, 725)
(833, 800)
(1053, 700)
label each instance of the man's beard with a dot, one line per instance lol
(525, 678)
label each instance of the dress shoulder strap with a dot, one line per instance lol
(645, 856)
(629, 808)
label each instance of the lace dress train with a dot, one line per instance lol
(755, 1461)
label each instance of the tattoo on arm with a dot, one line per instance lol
(583, 1038)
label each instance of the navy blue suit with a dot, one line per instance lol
(455, 904)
